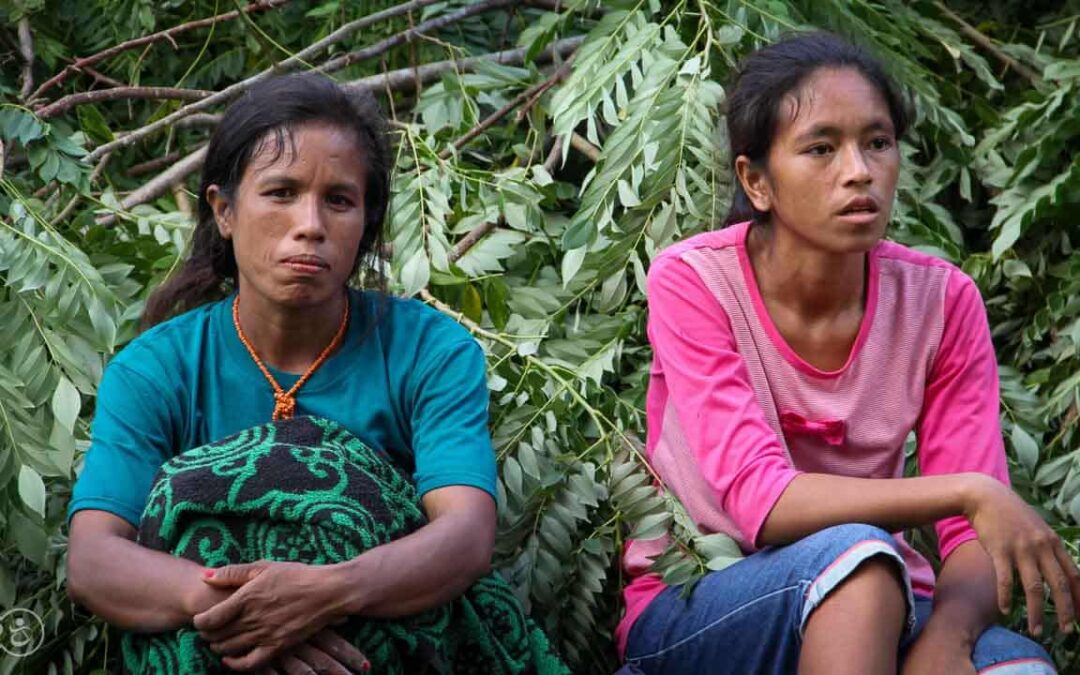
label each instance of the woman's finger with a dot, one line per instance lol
(1059, 589)
(237, 644)
(320, 661)
(1072, 574)
(341, 649)
(1034, 592)
(1003, 572)
(295, 666)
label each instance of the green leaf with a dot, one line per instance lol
(66, 403)
(32, 490)
(1027, 450)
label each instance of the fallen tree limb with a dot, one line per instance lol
(26, 50)
(160, 184)
(118, 93)
(235, 90)
(165, 35)
(406, 36)
(980, 39)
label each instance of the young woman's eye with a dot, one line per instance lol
(881, 143)
(819, 150)
(280, 193)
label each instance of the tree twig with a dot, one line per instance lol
(502, 112)
(101, 77)
(150, 39)
(579, 143)
(405, 36)
(160, 184)
(471, 238)
(94, 175)
(235, 90)
(174, 93)
(978, 38)
(554, 155)
(26, 49)
(559, 75)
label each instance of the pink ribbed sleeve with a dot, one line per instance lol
(698, 370)
(959, 428)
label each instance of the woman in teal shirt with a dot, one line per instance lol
(293, 202)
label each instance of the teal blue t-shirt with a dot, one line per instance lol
(413, 387)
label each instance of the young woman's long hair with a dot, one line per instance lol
(267, 113)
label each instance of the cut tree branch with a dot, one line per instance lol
(160, 184)
(235, 90)
(165, 35)
(26, 49)
(579, 143)
(983, 41)
(122, 93)
(527, 95)
(403, 37)
(406, 78)
(152, 165)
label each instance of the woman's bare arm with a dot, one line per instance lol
(130, 586)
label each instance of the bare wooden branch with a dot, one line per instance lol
(471, 238)
(398, 80)
(152, 165)
(232, 91)
(119, 93)
(403, 37)
(554, 156)
(978, 38)
(559, 75)
(502, 112)
(166, 35)
(583, 146)
(26, 49)
(2, 158)
(161, 183)
(101, 77)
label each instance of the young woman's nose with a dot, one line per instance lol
(855, 167)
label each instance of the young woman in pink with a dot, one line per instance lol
(794, 351)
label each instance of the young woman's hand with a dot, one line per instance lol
(1016, 536)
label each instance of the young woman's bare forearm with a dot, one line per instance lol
(813, 502)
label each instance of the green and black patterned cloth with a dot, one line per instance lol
(306, 490)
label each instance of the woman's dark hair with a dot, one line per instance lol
(764, 78)
(269, 112)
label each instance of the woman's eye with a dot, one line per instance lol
(818, 150)
(881, 143)
(280, 193)
(340, 201)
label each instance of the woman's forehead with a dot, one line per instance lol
(841, 98)
(327, 143)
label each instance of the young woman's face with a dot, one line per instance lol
(833, 164)
(296, 221)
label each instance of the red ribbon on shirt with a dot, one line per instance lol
(831, 431)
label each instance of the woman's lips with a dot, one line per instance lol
(306, 264)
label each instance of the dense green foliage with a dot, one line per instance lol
(534, 232)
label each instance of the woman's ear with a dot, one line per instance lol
(215, 197)
(754, 183)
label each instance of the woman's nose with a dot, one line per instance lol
(309, 220)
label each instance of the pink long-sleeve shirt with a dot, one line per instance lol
(734, 414)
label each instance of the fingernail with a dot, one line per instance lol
(208, 573)
(365, 666)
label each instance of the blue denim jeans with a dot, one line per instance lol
(749, 617)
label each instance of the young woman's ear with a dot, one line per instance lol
(754, 183)
(220, 206)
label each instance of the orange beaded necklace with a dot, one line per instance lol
(285, 401)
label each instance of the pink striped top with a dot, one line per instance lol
(734, 414)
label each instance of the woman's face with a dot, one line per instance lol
(296, 221)
(833, 164)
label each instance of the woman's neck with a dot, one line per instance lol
(812, 283)
(289, 339)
